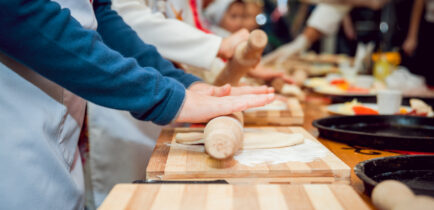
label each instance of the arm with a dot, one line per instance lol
(174, 39)
(120, 37)
(47, 39)
(326, 18)
(410, 42)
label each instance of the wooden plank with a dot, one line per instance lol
(270, 197)
(294, 115)
(322, 197)
(220, 198)
(189, 162)
(347, 197)
(239, 197)
(120, 197)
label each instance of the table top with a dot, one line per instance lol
(315, 108)
(239, 197)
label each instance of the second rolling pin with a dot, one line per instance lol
(223, 136)
(247, 55)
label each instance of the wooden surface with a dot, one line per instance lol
(237, 197)
(315, 108)
(294, 115)
(177, 162)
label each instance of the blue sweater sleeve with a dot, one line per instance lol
(120, 37)
(44, 37)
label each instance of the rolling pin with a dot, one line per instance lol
(247, 55)
(394, 195)
(223, 136)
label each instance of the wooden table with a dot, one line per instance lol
(315, 108)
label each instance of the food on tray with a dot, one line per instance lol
(356, 108)
(363, 110)
(420, 108)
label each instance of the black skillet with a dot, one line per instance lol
(416, 171)
(393, 132)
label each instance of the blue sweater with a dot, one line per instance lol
(111, 67)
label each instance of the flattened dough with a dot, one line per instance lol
(252, 140)
(275, 105)
(271, 139)
(189, 138)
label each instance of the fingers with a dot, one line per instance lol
(224, 90)
(243, 90)
(228, 45)
(201, 108)
(288, 79)
(240, 103)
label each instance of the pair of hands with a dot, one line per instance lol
(203, 101)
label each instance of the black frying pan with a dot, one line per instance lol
(416, 171)
(393, 132)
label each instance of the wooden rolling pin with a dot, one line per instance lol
(223, 136)
(247, 55)
(394, 195)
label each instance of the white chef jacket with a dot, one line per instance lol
(40, 127)
(174, 40)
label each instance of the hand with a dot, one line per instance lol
(226, 90)
(295, 47)
(245, 90)
(409, 46)
(268, 74)
(287, 50)
(199, 108)
(210, 90)
(229, 44)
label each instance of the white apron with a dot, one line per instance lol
(40, 124)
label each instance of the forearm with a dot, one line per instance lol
(174, 39)
(119, 36)
(48, 40)
(415, 18)
(326, 17)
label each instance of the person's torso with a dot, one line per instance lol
(40, 128)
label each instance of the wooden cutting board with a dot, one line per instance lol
(293, 115)
(171, 161)
(239, 197)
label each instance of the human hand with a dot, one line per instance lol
(229, 44)
(225, 90)
(268, 74)
(245, 90)
(286, 51)
(409, 46)
(210, 90)
(199, 108)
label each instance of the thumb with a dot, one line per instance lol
(224, 90)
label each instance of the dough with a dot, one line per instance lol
(270, 139)
(275, 105)
(189, 138)
(388, 194)
(252, 140)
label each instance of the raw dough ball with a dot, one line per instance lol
(421, 202)
(270, 139)
(389, 193)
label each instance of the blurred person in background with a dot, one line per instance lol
(225, 16)
(325, 20)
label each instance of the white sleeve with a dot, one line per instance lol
(327, 17)
(173, 39)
